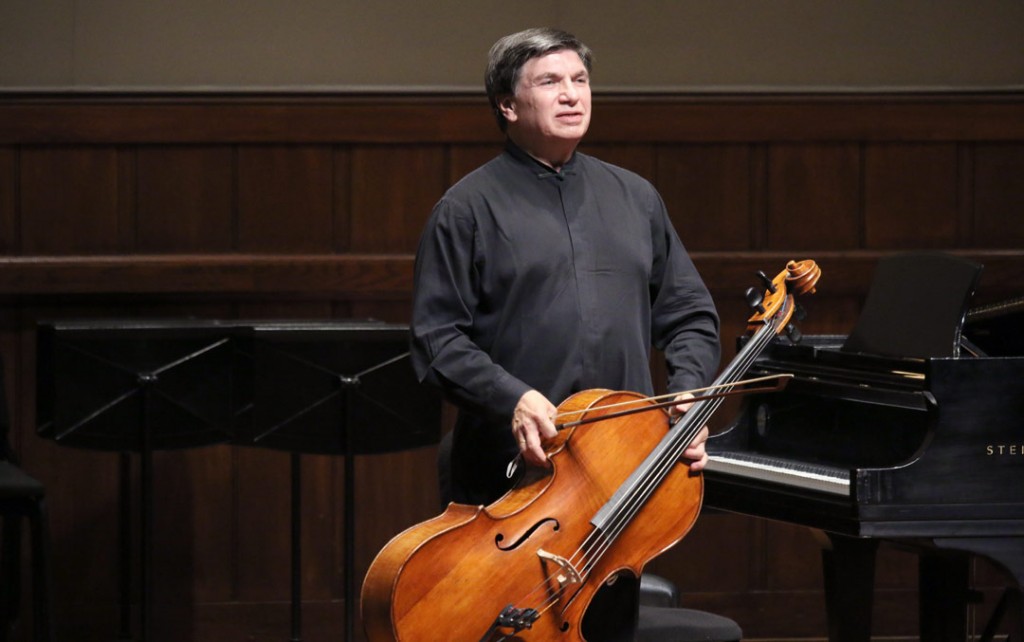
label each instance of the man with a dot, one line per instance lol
(546, 272)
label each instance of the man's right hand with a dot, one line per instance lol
(533, 421)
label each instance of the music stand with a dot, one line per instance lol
(135, 387)
(916, 306)
(336, 387)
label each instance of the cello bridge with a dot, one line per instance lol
(569, 573)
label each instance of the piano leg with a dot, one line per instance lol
(944, 593)
(1007, 552)
(849, 568)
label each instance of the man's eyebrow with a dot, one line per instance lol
(547, 75)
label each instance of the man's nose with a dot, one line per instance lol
(570, 93)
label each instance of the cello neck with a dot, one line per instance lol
(627, 500)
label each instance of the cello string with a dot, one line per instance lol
(673, 449)
(598, 542)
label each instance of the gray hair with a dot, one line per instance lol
(507, 57)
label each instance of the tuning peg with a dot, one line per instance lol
(754, 299)
(794, 333)
(768, 284)
(799, 313)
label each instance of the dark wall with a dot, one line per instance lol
(235, 206)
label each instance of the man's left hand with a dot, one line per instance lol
(695, 451)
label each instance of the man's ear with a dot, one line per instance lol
(507, 106)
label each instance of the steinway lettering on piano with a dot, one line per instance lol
(999, 450)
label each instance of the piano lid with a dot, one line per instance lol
(915, 307)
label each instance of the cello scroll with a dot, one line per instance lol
(776, 303)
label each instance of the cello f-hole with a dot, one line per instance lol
(499, 538)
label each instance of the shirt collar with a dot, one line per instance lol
(537, 168)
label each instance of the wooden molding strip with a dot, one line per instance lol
(169, 119)
(390, 276)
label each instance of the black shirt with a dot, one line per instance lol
(557, 281)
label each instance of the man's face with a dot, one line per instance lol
(552, 99)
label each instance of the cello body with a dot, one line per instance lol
(449, 578)
(527, 567)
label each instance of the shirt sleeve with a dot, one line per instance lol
(684, 322)
(445, 294)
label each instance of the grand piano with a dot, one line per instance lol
(909, 430)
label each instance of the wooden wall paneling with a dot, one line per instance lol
(185, 198)
(758, 195)
(813, 197)
(896, 569)
(394, 188)
(285, 199)
(82, 497)
(322, 499)
(697, 564)
(965, 223)
(70, 200)
(911, 196)
(186, 484)
(999, 196)
(8, 201)
(733, 313)
(464, 158)
(792, 559)
(896, 595)
(127, 205)
(1003, 276)
(342, 197)
(829, 313)
(400, 119)
(639, 158)
(207, 546)
(264, 535)
(789, 118)
(706, 189)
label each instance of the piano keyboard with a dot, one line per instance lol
(826, 479)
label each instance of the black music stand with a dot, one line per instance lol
(916, 306)
(336, 387)
(135, 387)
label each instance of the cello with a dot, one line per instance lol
(528, 566)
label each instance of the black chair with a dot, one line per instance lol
(660, 618)
(21, 496)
